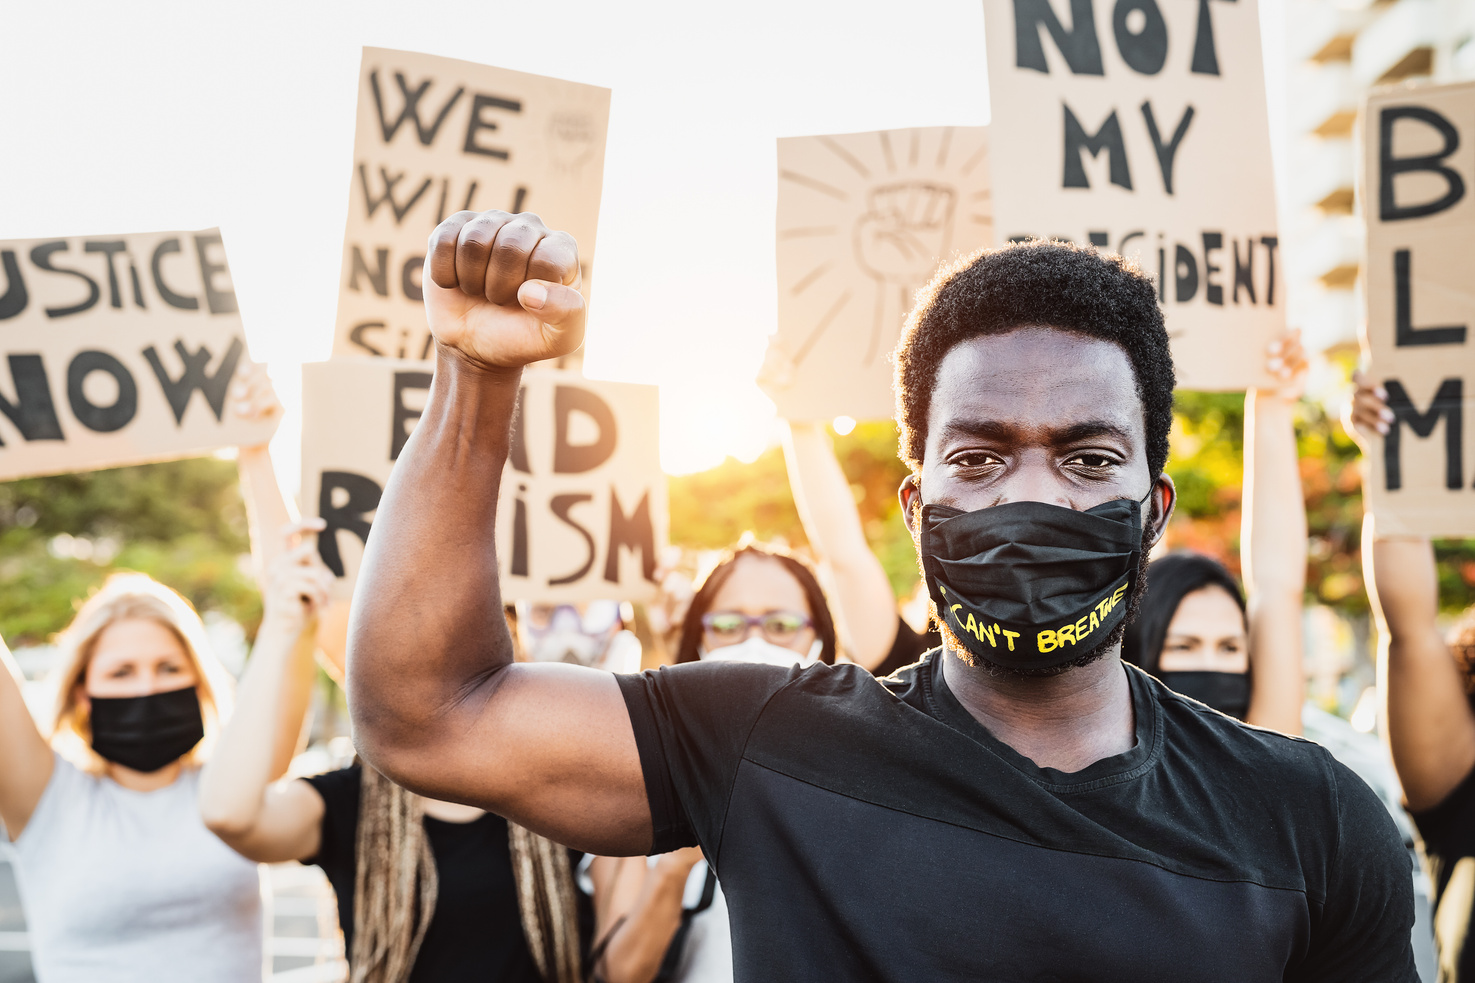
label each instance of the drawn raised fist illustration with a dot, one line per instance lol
(571, 139)
(905, 231)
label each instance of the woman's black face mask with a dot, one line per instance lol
(146, 733)
(1027, 585)
(1227, 692)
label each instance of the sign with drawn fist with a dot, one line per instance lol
(864, 220)
(905, 229)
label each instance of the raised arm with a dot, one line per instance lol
(267, 511)
(863, 602)
(1428, 721)
(438, 705)
(1273, 542)
(263, 821)
(25, 757)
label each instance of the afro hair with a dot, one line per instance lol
(1036, 282)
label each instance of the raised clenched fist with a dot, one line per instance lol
(502, 290)
(905, 232)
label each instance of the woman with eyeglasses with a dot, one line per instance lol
(663, 919)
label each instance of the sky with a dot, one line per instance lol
(152, 116)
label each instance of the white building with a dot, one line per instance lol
(1337, 50)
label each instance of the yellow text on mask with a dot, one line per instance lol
(1075, 633)
(984, 632)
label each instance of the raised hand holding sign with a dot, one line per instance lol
(501, 290)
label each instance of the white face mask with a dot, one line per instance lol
(759, 650)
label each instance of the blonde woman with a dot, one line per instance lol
(427, 890)
(119, 879)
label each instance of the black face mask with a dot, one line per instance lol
(1227, 692)
(1029, 585)
(146, 733)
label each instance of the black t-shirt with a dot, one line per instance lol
(872, 830)
(1448, 830)
(476, 933)
(908, 646)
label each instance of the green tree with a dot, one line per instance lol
(181, 522)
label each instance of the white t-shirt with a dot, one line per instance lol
(130, 887)
(707, 956)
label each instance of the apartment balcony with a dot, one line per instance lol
(1329, 255)
(1322, 32)
(1321, 174)
(1398, 44)
(1326, 99)
(1328, 319)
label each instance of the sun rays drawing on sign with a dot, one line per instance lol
(864, 219)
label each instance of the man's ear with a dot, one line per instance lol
(1165, 497)
(910, 495)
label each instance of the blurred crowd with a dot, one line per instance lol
(142, 805)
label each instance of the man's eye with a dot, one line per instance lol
(1093, 460)
(975, 460)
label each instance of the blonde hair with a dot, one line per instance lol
(396, 885)
(127, 596)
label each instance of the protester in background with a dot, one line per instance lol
(663, 919)
(588, 633)
(1196, 631)
(427, 890)
(119, 879)
(1430, 721)
(873, 632)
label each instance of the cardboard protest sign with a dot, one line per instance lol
(118, 350)
(1418, 197)
(1140, 126)
(582, 512)
(435, 136)
(864, 219)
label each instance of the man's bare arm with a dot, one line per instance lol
(438, 705)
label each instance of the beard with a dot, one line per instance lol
(1103, 648)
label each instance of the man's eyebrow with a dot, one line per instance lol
(978, 429)
(1091, 430)
(996, 430)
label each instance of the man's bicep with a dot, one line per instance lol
(549, 747)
